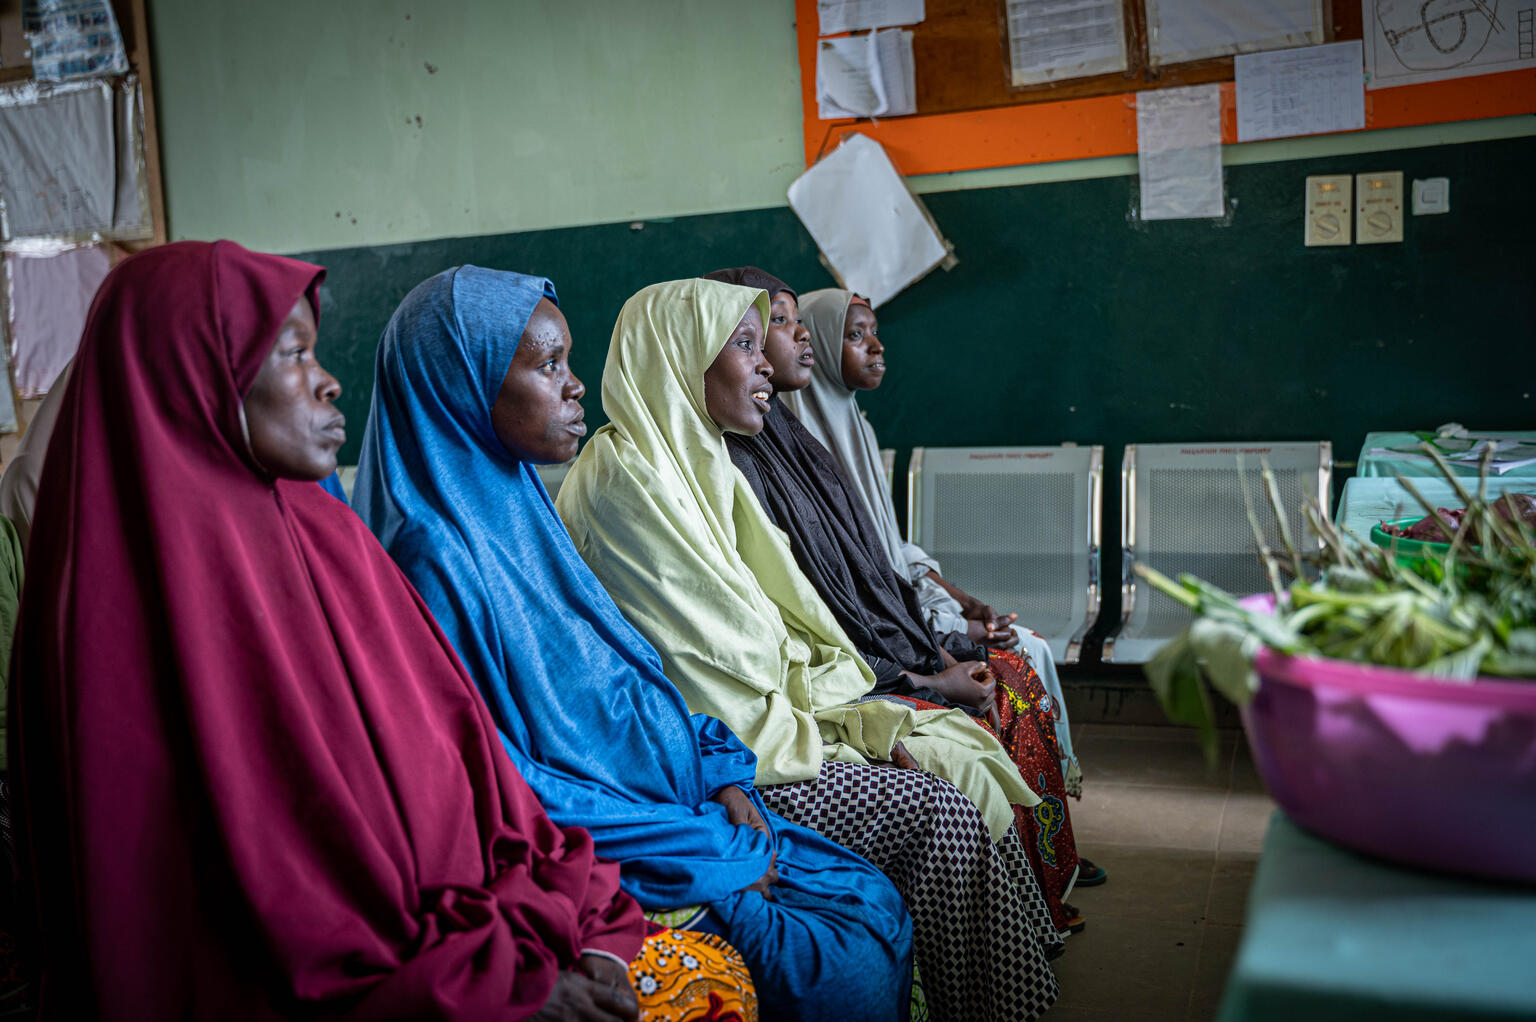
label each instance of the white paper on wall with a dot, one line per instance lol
(1304, 91)
(1178, 146)
(1052, 40)
(1180, 30)
(1408, 41)
(58, 160)
(875, 235)
(49, 298)
(852, 15)
(865, 76)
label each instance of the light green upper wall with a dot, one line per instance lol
(274, 117)
(296, 126)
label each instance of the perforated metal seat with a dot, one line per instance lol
(1182, 512)
(1017, 527)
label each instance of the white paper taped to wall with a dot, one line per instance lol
(865, 76)
(1178, 145)
(1180, 30)
(875, 235)
(1300, 92)
(853, 15)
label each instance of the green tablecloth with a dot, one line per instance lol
(1365, 502)
(1390, 454)
(1334, 937)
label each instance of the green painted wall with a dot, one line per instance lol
(1064, 321)
(294, 124)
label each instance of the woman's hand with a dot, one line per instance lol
(763, 883)
(599, 992)
(902, 759)
(995, 631)
(970, 684)
(740, 811)
(739, 808)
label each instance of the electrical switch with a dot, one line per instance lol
(1378, 208)
(1328, 209)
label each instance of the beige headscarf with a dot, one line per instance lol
(673, 531)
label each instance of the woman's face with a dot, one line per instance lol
(863, 355)
(290, 415)
(538, 415)
(788, 345)
(736, 387)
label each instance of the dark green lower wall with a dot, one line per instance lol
(1066, 321)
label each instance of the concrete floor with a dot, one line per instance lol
(1180, 842)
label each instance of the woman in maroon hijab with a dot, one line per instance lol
(252, 779)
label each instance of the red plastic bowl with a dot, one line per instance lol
(1429, 773)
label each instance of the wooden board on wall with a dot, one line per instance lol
(969, 118)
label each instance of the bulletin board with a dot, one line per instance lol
(133, 22)
(970, 118)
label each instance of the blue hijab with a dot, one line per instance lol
(579, 697)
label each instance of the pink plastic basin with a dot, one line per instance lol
(1429, 773)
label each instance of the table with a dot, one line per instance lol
(1388, 462)
(1365, 502)
(1334, 937)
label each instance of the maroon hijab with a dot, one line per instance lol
(252, 779)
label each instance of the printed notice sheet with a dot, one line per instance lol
(853, 15)
(865, 75)
(876, 237)
(1180, 30)
(1407, 42)
(1178, 146)
(1300, 92)
(1050, 40)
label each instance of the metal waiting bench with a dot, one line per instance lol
(553, 475)
(1182, 512)
(1017, 527)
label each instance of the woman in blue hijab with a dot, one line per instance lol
(473, 387)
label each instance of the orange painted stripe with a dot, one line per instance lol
(1106, 125)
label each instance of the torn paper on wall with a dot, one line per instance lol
(876, 237)
(73, 39)
(1304, 91)
(1178, 148)
(854, 15)
(50, 294)
(866, 75)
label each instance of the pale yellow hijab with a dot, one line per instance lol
(673, 531)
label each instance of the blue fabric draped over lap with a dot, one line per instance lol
(579, 696)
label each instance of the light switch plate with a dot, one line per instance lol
(1432, 195)
(1378, 208)
(1328, 209)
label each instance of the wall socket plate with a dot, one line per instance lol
(1378, 208)
(1328, 209)
(1432, 195)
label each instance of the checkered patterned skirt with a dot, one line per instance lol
(982, 933)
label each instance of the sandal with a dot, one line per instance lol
(1089, 874)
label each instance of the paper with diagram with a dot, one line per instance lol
(1409, 41)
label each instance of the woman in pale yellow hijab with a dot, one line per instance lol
(674, 532)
